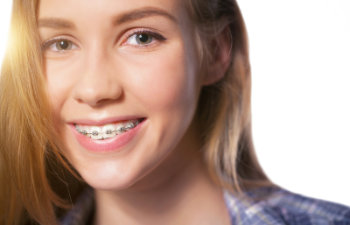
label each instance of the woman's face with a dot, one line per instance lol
(123, 82)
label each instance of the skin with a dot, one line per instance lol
(103, 72)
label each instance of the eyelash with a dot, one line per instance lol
(47, 44)
(153, 35)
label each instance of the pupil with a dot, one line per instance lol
(63, 44)
(143, 38)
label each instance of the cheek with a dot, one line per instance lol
(59, 81)
(166, 81)
(62, 75)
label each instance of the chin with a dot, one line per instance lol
(115, 175)
(107, 181)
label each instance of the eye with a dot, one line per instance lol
(59, 45)
(144, 38)
(140, 39)
(63, 45)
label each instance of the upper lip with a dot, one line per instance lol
(100, 122)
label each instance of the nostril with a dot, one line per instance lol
(109, 100)
(95, 91)
(99, 101)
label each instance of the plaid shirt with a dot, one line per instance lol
(277, 206)
(272, 206)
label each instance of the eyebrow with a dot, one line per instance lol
(55, 23)
(142, 13)
(58, 23)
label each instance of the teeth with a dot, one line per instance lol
(129, 125)
(95, 133)
(119, 129)
(106, 131)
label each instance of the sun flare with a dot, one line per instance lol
(5, 13)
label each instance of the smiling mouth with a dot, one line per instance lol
(107, 131)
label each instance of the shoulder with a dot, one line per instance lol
(278, 206)
(82, 211)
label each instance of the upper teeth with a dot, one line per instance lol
(106, 131)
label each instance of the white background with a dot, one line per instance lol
(300, 57)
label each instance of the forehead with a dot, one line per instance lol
(90, 9)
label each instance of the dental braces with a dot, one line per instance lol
(116, 131)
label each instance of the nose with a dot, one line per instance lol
(98, 83)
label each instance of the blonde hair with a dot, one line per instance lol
(29, 154)
(224, 108)
(25, 125)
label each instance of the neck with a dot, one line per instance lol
(176, 199)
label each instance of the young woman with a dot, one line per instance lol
(135, 112)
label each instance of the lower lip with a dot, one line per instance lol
(112, 144)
